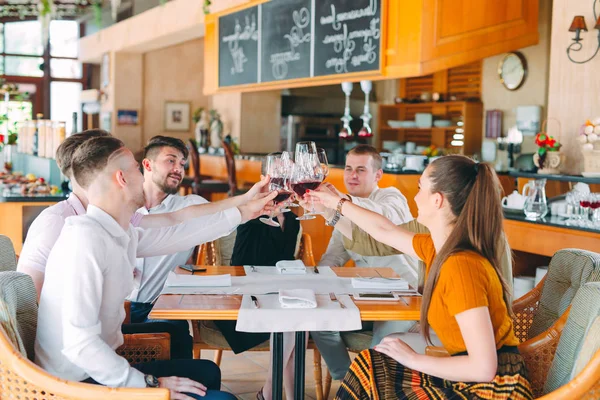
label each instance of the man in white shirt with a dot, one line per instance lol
(362, 173)
(90, 272)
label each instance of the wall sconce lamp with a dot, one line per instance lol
(577, 26)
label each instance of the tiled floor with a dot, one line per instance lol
(244, 374)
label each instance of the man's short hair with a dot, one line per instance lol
(64, 153)
(365, 149)
(92, 157)
(158, 142)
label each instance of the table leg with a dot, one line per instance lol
(299, 365)
(277, 365)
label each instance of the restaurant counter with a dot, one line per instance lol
(17, 212)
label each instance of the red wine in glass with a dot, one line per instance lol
(595, 204)
(584, 203)
(282, 196)
(301, 187)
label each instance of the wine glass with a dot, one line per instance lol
(307, 173)
(324, 165)
(274, 167)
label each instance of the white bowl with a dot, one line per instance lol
(395, 124)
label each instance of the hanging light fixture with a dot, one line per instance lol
(346, 131)
(365, 131)
(578, 25)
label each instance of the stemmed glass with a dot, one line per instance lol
(324, 165)
(595, 209)
(307, 173)
(276, 168)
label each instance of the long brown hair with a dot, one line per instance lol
(473, 193)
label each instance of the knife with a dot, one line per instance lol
(334, 299)
(255, 301)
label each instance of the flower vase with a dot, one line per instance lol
(551, 163)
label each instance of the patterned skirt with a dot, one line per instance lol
(376, 376)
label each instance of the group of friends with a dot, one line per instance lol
(125, 227)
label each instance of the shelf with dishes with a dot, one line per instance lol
(455, 126)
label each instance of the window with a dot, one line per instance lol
(63, 39)
(23, 37)
(22, 58)
(23, 66)
(65, 99)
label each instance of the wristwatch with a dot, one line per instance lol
(151, 381)
(340, 204)
(334, 220)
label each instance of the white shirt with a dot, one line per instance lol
(88, 276)
(44, 231)
(154, 270)
(390, 203)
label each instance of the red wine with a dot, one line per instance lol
(301, 187)
(282, 196)
(277, 182)
(595, 205)
(584, 203)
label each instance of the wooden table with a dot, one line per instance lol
(211, 307)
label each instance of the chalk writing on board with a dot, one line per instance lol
(297, 36)
(248, 32)
(356, 47)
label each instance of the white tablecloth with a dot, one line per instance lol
(271, 317)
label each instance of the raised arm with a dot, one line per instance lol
(379, 227)
(362, 243)
(200, 210)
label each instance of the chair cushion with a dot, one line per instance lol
(212, 336)
(357, 341)
(19, 298)
(569, 270)
(591, 345)
(8, 259)
(584, 310)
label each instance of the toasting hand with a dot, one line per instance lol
(259, 187)
(261, 205)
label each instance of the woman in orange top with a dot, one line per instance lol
(464, 300)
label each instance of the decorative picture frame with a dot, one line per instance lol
(177, 116)
(127, 117)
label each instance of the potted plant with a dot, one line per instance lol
(548, 157)
(590, 146)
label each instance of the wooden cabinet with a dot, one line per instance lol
(462, 139)
(419, 37)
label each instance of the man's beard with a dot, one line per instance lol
(166, 188)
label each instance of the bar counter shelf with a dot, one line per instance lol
(559, 177)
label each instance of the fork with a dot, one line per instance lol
(334, 299)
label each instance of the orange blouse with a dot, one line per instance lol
(467, 280)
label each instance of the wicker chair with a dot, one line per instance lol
(208, 337)
(8, 258)
(20, 378)
(575, 370)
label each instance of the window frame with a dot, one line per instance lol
(41, 100)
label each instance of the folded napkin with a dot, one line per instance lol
(291, 267)
(297, 298)
(181, 280)
(379, 283)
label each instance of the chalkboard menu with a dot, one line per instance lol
(291, 39)
(238, 47)
(347, 36)
(286, 40)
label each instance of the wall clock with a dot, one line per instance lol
(512, 70)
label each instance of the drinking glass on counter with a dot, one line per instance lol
(595, 209)
(276, 168)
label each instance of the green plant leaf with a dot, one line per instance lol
(542, 151)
